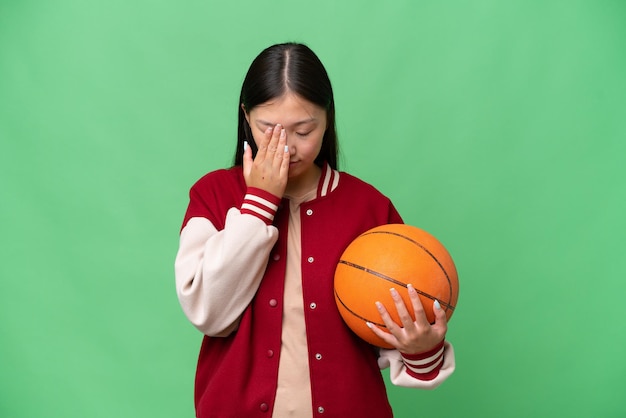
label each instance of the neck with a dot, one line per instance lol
(298, 186)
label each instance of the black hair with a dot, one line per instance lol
(276, 70)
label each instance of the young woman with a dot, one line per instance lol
(258, 250)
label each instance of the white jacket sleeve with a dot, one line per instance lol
(219, 272)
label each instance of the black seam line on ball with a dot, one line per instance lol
(392, 280)
(423, 248)
(356, 314)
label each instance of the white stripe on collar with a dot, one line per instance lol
(329, 181)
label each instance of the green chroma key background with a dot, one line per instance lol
(499, 127)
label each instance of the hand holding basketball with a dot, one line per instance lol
(412, 336)
(419, 269)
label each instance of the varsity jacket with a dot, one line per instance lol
(230, 244)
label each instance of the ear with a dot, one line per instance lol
(246, 114)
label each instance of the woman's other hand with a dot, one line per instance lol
(411, 336)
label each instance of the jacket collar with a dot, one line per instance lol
(329, 180)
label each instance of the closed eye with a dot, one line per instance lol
(303, 134)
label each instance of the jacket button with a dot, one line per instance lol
(264, 407)
(273, 303)
(318, 356)
(309, 212)
(313, 305)
(310, 259)
(276, 257)
(320, 409)
(270, 353)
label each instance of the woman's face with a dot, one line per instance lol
(305, 125)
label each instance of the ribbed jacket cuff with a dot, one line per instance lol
(424, 366)
(259, 203)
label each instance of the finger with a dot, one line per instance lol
(272, 146)
(403, 313)
(283, 157)
(418, 308)
(386, 318)
(385, 336)
(284, 167)
(441, 319)
(262, 146)
(280, 148)
(247, 158)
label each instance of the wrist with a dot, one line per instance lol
(426, 365)
(261, 204)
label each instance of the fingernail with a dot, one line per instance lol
(286, 148)
(245, 146)
(437, 305)
(282, 133)
(393, 292)
(379, 305)
(369, 324)
(410, 287)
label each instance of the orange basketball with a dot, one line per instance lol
(393, 256)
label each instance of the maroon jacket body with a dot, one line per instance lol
(237, 375)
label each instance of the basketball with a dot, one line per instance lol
(389, 256)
